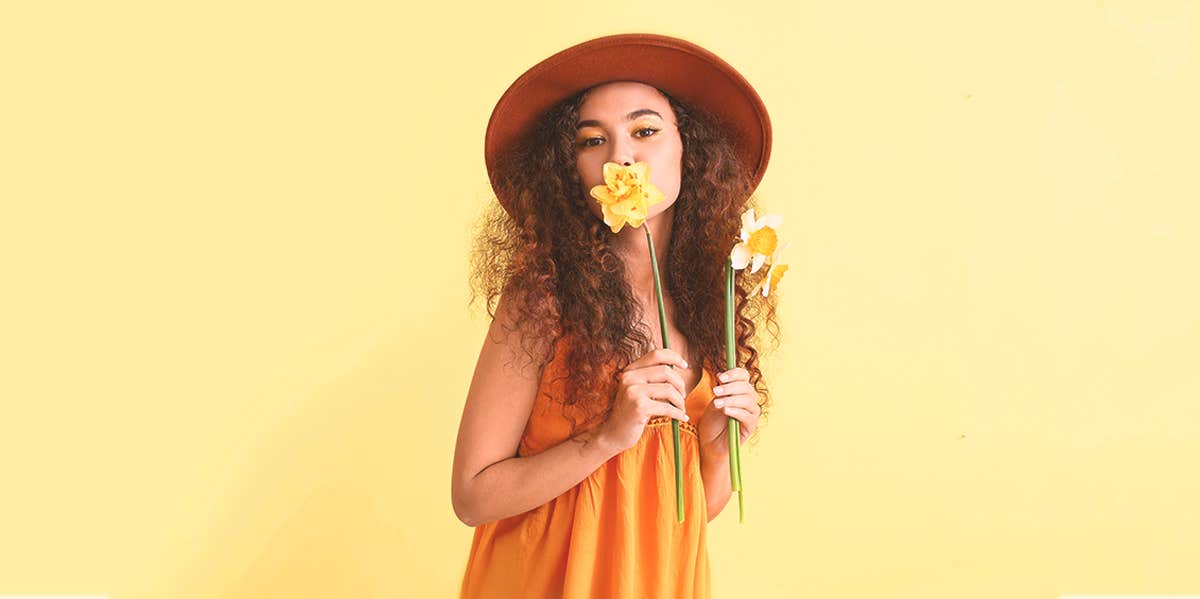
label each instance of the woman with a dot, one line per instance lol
(565, 454)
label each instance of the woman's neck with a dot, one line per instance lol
(633, 249)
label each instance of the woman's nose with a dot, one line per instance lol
(622, 153)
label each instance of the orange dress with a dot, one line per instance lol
(615, 534)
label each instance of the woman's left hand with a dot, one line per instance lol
(734, 398)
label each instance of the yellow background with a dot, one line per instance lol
(235, 344)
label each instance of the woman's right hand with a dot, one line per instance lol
(646, 388)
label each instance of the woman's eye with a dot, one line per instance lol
(587, 143)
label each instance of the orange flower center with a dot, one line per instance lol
(763, 241)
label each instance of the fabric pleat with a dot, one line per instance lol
(615, 533)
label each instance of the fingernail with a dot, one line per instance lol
(685, 417)
(685, 364)
(717, 390)
(724, 378)
(719, 403)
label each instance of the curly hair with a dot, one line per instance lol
(555, 260)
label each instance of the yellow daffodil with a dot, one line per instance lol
(627, 194)
(775, 272)
(626, 197)
(758, 241)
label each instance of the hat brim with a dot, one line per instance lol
(678, 67)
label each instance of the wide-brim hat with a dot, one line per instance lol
(678, 67)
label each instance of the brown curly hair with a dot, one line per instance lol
(555, 260)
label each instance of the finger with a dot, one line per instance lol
(662, 392)
(744, 401)
(662, 355)
(747, 420)
(659, 373)
(734, 374)
(734, 388)
(654, 407)
(654, 374)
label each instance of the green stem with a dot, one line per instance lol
(734, 427)
(662, 321)
(741, 490)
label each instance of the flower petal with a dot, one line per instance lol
(757, 262)
(774, 275)
(654, 195)
(747, 222)
(641, 170)
(600, 192)
(777, 257)
(740, 256)
(770, 220)
(755, 289)
(765, 283)
(614, 221)
(612, 171)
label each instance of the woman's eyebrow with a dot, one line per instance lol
(629, 117)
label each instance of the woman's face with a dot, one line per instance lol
(627, 122)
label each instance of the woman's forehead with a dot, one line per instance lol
(618, 98)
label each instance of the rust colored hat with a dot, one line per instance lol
(676, 66)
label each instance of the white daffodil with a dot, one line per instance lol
(758, 240)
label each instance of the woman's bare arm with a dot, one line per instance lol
(489, 481)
